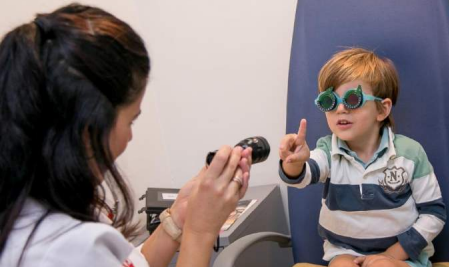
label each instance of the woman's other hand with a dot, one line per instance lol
(179, 208)
(218, 189)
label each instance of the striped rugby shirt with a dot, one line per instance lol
(366, 210)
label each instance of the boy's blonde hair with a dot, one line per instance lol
(361, 64)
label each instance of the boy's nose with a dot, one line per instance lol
(341, 108)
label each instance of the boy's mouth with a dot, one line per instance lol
(343, 122)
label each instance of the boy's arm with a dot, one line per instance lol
(316, 169)
(432, 216)
(429, 203)
(292, 169)
(397, 252)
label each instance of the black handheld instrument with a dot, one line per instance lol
(260, 146)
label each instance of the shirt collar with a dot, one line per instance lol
(339, 147)
(380, 150)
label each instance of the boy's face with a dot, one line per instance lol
(358, 126)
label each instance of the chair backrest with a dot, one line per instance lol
(415, 35)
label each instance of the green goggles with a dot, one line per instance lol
(353, 98)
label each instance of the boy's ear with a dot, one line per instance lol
(386, 109)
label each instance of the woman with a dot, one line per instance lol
(71, 85)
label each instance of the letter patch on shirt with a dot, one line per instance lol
(394, 181)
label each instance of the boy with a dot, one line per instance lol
(382, 203)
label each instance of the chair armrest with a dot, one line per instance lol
(229, 255)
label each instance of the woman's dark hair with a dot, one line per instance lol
(63, 78)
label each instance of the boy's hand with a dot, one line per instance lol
(293, 148)
(366, 261)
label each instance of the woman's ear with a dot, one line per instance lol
(386, 109)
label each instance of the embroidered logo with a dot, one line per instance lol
(394, 181)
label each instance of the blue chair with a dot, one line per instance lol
(415, 35)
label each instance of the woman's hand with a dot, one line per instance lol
(213, 197)
(179, 207)
(200, 209)
(218, 190)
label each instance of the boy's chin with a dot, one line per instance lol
(345, 136)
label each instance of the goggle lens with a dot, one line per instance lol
(352, 99)
(327, 101)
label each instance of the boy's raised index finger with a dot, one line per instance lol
(302, 130)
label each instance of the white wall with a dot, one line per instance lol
(219, 74)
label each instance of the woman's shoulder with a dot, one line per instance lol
(88, 244)
(60, 240)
